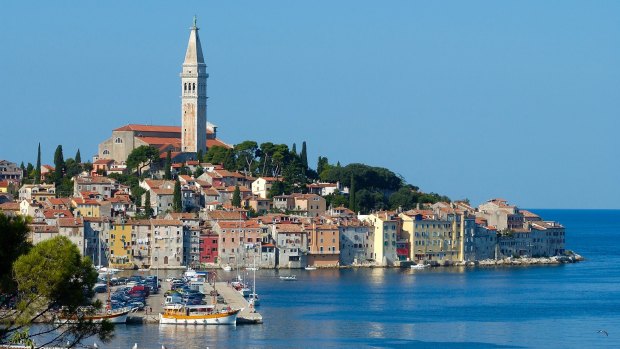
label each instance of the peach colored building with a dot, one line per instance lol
(323, 244)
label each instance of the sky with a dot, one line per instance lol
(470, 99)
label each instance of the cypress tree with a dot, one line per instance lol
(167, 174)
(304, 156)
(199, 155)
(177, 205)
(148, 211)
(78, 157)
(37, 173)
(59, 163)
(294, 150)
(352, 203)
(236, 199)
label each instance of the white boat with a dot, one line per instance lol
(289, 278)
(310, 268)
(419, 266)
(253, 299)
(115, 316)
(180, 314)
(226, 267)
(251, 268)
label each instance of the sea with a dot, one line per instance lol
(560, 306)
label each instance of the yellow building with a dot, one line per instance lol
(432, 239)
(120, 244)
(387, 227)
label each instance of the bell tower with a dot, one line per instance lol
(194, 96)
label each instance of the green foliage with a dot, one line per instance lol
(367, 177)
(167, 165)
(199, 171)
(336, 200)
(65, 187)
(14, 238)
(405, 198)
(177, 204)
(87, 166)
(246, 152)
(53, 275)
(322, 165)
(59, 165)
(78, 157)
(304, 156)
(352, 188)
(141, 157)
(277, 188)
(37, 173)
(148, 210)
(236, 199)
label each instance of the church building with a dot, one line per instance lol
(194, 134)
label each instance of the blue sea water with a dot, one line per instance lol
(494, 307)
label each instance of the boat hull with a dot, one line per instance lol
(221, 318)
(119, 317)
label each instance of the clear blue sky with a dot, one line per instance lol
(475, 99)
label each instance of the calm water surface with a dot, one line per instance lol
(517, 307)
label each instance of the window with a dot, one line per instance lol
(106, 152)
(118, 140)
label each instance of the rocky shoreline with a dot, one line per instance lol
(574, 258)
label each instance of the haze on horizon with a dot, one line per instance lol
(472, 100)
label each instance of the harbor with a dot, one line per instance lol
(227, 296)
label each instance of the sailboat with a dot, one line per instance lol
(254, 300)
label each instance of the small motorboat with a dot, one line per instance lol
(289, 278)
(310, 268)
(226, 267)
(419, 266)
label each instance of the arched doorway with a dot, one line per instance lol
(166, 260)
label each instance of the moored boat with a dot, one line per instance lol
(310, 267)
(115, 316)
(419, 266)
(289, 278)
(181, 314)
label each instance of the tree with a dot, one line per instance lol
(322, 165)
(148, 210)
(37, 174)
(199, 171)
(199, 155)
(352, 203)
(304, 156)
(294, 148)
(167, 165)
(53, 275)
(177, 204)
(405, 198)
(236, 199)
(59, 164)
(142, 157)
(78, 157)
(246, 154)
(13, 233)
(72, 168)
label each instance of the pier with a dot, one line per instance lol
(228, 294)
(236, 301)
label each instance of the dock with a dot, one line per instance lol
(236, 301)
(228, 294)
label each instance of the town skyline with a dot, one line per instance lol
(399, 129)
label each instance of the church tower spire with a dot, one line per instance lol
(194, 96)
